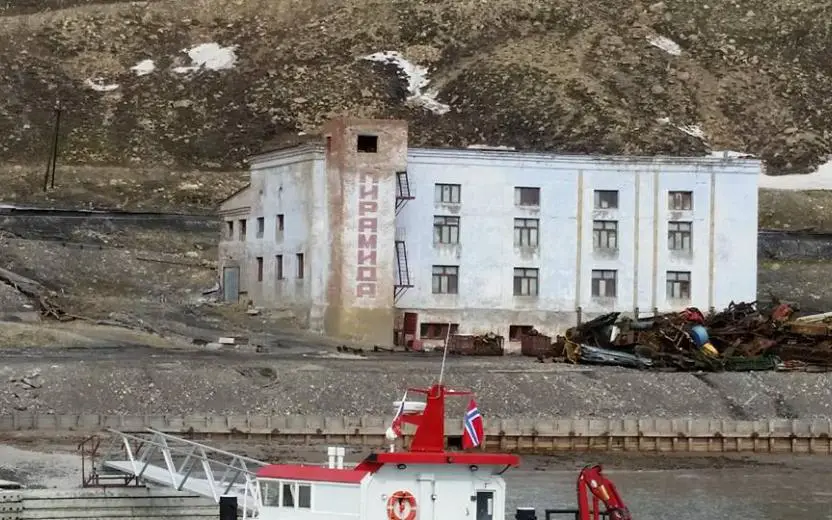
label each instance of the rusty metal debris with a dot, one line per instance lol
(739, 338)
(483, 345)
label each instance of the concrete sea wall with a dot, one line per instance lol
(520, 435)
(135, 503)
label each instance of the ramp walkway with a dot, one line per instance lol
(166, 460)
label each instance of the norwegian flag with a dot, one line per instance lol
(396, 425)
(472, 432)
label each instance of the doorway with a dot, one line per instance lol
(231, 283)
(485, 505)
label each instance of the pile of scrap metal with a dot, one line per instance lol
(738, 338)
(484, 345)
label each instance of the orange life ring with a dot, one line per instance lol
(401, 506)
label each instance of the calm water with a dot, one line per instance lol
(757, 493)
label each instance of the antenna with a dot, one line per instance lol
(444, 355)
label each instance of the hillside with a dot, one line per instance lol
(672, 76)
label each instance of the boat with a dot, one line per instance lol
(422, 481)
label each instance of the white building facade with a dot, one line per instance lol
(475, 241)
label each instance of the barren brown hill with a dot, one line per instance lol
(566, 75)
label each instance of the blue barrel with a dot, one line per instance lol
(699, 335)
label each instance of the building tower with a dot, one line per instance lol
(365, 160)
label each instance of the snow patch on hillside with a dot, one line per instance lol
(144, 67)
(211, 56)
(100, 85)
(665, 44)
(417, 81)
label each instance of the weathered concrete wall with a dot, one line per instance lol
(553, 434)
(723, 218)
(288, 183)
(135, 503)
(362, 199)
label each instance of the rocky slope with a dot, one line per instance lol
(567, 75)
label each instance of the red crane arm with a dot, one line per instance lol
(592, 481)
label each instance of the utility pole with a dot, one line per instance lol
(53, 156)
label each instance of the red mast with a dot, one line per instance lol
(430, 423)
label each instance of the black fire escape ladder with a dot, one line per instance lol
(403, 193)
(403, 282)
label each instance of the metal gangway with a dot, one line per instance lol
(161, 459)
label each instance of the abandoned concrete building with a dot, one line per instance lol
(365, 238)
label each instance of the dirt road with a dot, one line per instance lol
(299, 376)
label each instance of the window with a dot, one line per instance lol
(278, 266)
(270, 491)
(304, 496)
(680, 200)
(445, 230)
(242, 230)
(526, 232)
(259, 268)
(527, 196)
(606, 199)
(445, 279)
(229, 229)
(261, 226)
(604, 283)
(447, 193)
(300, 266)
(367, 144)
(516, 332)
(280, 222)
(288, 495)
(525, 281)
(437, 330)
(605, 234)
(679, 236)
(678, 285)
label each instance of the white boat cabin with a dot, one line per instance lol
(425, 483)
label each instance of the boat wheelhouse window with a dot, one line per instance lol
(293, 494)
(288, 495)
(270, 491)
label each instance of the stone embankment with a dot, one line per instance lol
(517, 435)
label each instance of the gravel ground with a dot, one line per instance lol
(37, 469)
(147, 380)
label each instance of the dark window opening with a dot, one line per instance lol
(516, 332)
(300, 266)
(445, 279)
(279, 266)
(367, 143)
(229, 227)
(280, 222)
(604, 283)
(448, 193)
(438, 330)
(261, 226)
(527, 196)
(243, 230)
(606, 199)
(526, 281)
(259, 268)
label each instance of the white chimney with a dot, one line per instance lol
(340, 452)
(331, 453)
